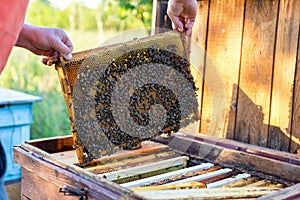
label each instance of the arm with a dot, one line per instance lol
(49, 42)
(182, 14)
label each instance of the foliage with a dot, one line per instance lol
(119, 15)
(24, 71)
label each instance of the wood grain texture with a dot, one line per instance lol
(239, 155)
(223, 50)
(56, 177)
(197, 55)
(256, 72)
(287, 193)
(280, 130)
(295, 140)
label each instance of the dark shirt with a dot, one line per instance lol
(2, 161)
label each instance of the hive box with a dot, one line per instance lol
(15, 119)
(51, 163)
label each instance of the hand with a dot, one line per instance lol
(49, 42)
(182, 14)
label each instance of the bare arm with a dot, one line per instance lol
(49, 42)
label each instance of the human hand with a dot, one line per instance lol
(49, 42)
(182, 14)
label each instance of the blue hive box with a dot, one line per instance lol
(15, 120)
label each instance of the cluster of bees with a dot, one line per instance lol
(142, 98)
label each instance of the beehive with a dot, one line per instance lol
(185, 165)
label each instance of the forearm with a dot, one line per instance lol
(25, 37)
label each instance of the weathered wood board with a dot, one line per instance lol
(254, 48)
(64, 179)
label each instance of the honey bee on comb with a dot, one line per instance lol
(127, 93)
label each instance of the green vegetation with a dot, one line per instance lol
(86, 27)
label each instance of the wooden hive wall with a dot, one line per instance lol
(254, 45)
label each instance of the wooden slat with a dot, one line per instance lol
(146, 168)
(256, 72)
(233, 157)
(197, 54)
(214, 193)
(57, 177)
(200, 26)
(295, 140)
(242, 183)
(69, 157)
(284, 73)
(157, 178)
(227, 181)
(53, 144)
(249, 148)
(287, 193)
(193, 185)
(130, 162)
(224, 50)
(202, 176)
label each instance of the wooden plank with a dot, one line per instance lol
(193, 185)
(242, 183)
(243, 147)
(13, 191)
(224, 29)
(264, 165)
(42, 148)
(58, 177)
(284, 74)
(130, 162)
(200, 25)
(202, 176)
(146, 168)
(227, 181)
(295, 140)
(157, 178)
(34, 187)
(214, 193)
(197, 55)
(233, 157)
(53, 144)
(287, 193)
(69, 157)
(254, 92)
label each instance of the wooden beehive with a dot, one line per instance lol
(255, 53)
(223, 168)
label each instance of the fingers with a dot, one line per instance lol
(182, 14)
(63, 45)
(188, 26)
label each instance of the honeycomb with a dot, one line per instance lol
(120, 95)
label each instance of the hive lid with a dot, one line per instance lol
(120, 95)
(8, 97)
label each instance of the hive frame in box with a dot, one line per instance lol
(59, 172)
(76, 89)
